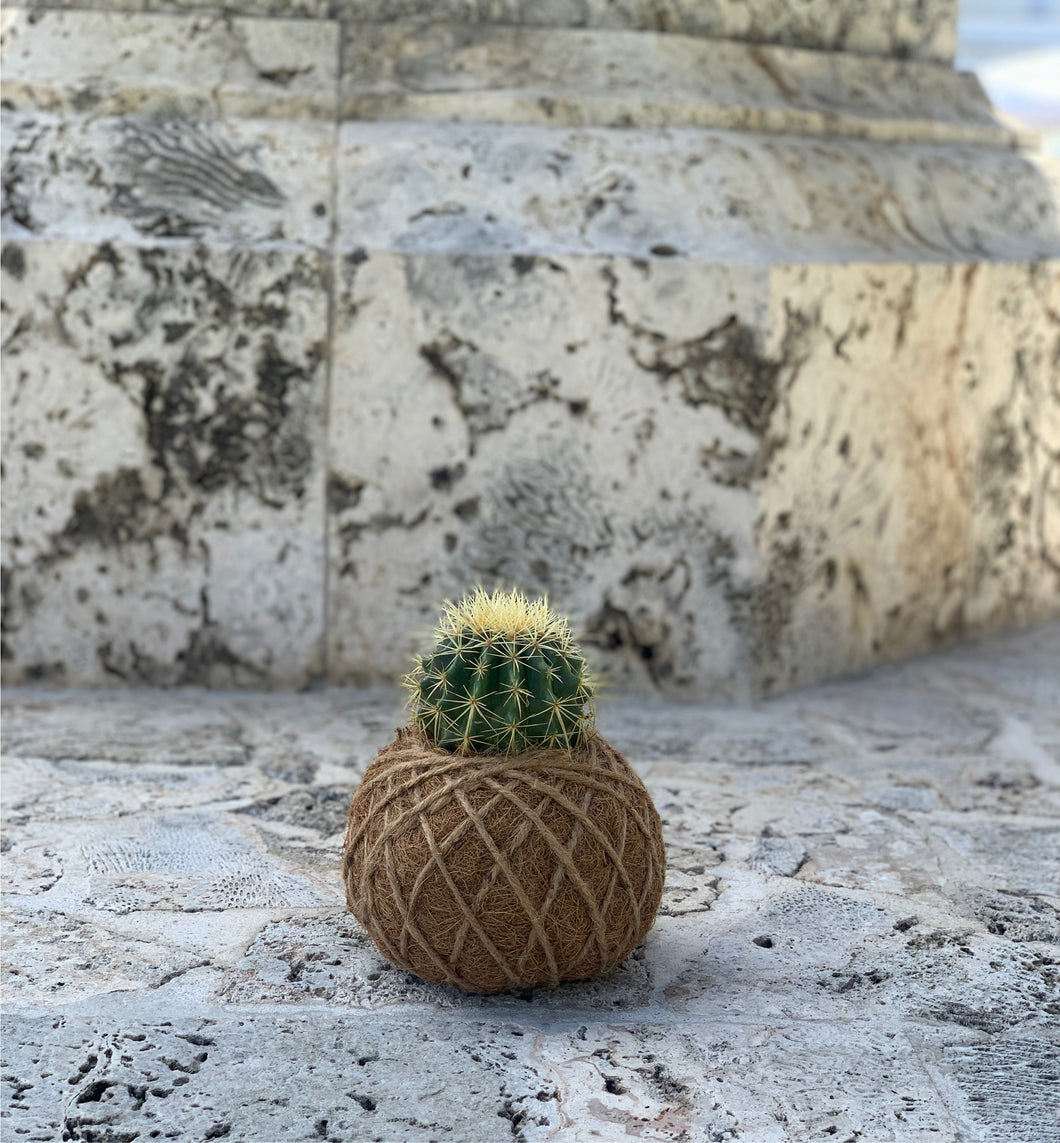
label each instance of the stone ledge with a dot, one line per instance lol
(481, 189)
(719, 197)
(904, 28)
(206, 65)
(474, 73)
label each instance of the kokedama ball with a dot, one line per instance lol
(503, 871)
(500, 842)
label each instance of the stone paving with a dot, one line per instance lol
(860, 936)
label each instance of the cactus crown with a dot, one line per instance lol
(504, 676)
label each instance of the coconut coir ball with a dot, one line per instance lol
(503, 871)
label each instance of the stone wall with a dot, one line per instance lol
(746, 353)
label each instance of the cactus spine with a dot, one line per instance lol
(505, 676)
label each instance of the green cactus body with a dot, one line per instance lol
(500, 682)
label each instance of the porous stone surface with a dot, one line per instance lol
(730, 475)
(902, 28)
(476, 72)
(205, 65)
(745, 353)
(858, 939)
(713, 196)
(176, 419)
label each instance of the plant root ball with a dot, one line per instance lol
(496, 872)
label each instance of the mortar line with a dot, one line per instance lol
(929, 1068)
(331, 278)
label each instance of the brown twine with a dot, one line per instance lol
(495, 872)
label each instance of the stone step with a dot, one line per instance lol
(490, 189)
(902, 28)
(735, 477)
(201, 64)
(465, 72)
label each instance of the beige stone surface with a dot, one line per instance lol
(164, 463)
(203, 65)
(902, 28)
(859, 929)
(937, 462)
(727, 475)
(484, 73)
(744, 352)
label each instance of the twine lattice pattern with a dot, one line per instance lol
(498, 872)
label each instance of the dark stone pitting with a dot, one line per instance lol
(209, 366)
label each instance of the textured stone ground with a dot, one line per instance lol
(860, 937)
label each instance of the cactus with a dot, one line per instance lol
(505, 676)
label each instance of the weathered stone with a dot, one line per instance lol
(166, 176)
(730, 476)
(1004, 1085)
(483, 73)
(180, 959)
(731, 198)
(777, 856)
(717, 342)
(904, 28)
(163, 438)
(199, 66)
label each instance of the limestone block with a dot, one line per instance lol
(65, 957)
(905, 28)
(950, 420)
(140, 178)
(199, 65)
(195, 729)
(393, 1079)
(55, 791)
(482, 73)
(994, 1082)
(728, 475)
(902, 28)
(164, 469)
(835, 956)
(714, 196)
(253, 9)
(1023, 857)
(526, 441)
